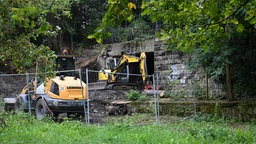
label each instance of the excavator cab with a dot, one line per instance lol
(65, 63)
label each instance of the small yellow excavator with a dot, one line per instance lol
(131, 71)
(64, 93)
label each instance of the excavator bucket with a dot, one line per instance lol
(97, 85)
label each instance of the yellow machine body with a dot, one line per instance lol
(111, 75)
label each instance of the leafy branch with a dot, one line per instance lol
(219, 22)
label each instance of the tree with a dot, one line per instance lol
(117, 12)
(208, 27)
(84, 18)
(23, 26)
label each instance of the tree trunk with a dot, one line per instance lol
(229, 83)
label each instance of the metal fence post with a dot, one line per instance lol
(194, 96)
(29, 95)
(80, 76)
(154, 89)
(88, 100)
(158, 107)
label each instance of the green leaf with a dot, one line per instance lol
(99, 40)
(253, 21)
(108, 34)
(112, 1)
(91, 36)
(130, 18)
(240, 28)
(234, 21)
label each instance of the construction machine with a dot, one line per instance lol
(130, 71)
(65, 93)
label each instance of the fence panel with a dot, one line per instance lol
(183, 93)
(117, 94)
(12, 85)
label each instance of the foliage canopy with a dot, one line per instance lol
(219, 34)
(23, 26)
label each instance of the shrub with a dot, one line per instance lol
(136, 95)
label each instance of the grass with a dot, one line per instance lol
(23, 128)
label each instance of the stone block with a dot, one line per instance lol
(174, 56)
(158, 58)
(160, 53)
(157, 48)
(161, 58)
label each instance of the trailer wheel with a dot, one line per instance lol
(41, 109)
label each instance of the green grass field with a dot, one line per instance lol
(23, 128)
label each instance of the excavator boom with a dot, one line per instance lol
(131, 70)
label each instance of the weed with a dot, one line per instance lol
(136, 95)
(142, 98)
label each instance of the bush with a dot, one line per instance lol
(142, 98)
(136, 95)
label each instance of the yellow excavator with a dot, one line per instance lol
(130, 71)
(65, 93)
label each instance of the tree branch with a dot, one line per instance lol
(231, 14)
(207, 26)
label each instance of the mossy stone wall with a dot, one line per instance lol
(244, 111)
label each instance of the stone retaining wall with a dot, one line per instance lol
(244, 111)
(177, 79)
(173, 73)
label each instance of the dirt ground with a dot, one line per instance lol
(101, 106)
(10, 86)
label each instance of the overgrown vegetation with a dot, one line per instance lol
(139, 29)
(136, 95)
(24, 28)
(22, 128)
(219, 35)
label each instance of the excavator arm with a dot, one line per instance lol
(124, 61)
(135, 64)
(143, 66)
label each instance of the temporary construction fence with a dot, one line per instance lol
(121, 93)
(13, 84)
(105, 98)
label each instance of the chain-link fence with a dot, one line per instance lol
(185, 94)
(10, 86)
(111, 95)
(116, 94)
(181, 96)
(32, 93)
